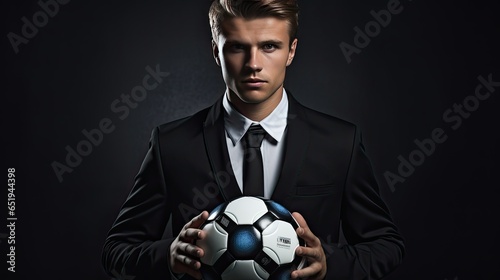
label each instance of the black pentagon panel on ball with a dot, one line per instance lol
(209, 273)
(282, 272)
(216, 212)
(266, 262)
(281, 212)
(244, 242)
(226, 223)
(250, 238)
(263, 222)
(223, 262)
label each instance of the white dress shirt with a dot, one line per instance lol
(272, 148)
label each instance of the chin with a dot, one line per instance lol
(253, 97)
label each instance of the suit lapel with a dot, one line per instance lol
(216, 147)
(297, 142)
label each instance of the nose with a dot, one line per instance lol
(253, 61)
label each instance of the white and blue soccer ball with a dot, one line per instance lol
(250, 238)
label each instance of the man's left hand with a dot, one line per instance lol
(316, 259)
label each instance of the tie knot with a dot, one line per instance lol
(254, 136)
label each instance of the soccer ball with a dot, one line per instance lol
(250, 238)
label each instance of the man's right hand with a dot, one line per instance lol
(183, 253)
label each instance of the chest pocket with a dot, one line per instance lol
(315, 190)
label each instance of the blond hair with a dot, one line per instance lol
(250, 9)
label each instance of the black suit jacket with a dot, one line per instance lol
(326, 176)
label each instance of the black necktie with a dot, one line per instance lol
(253, 168)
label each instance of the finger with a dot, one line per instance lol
(300, 220)
(189, 249)
(192, 234)
(304, 232)
(197, 221)
(187, 261)
(309, 252)
(306, 272)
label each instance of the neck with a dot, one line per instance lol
(256, 111)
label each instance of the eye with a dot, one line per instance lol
(269, 47)
(236, 47)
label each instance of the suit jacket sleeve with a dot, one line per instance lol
(377, 248)
(134, 248)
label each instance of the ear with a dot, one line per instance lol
(291, 52)
(215, 52)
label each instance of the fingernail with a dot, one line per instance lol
(299, 251)
(301, 231)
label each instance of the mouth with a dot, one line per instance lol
(254, 82)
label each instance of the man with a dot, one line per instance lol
(312, 164)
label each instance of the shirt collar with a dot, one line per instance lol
(237, 124)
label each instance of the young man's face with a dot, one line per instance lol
(253, 55)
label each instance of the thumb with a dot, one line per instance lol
(197, 221)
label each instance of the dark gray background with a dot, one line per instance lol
(397, 89)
